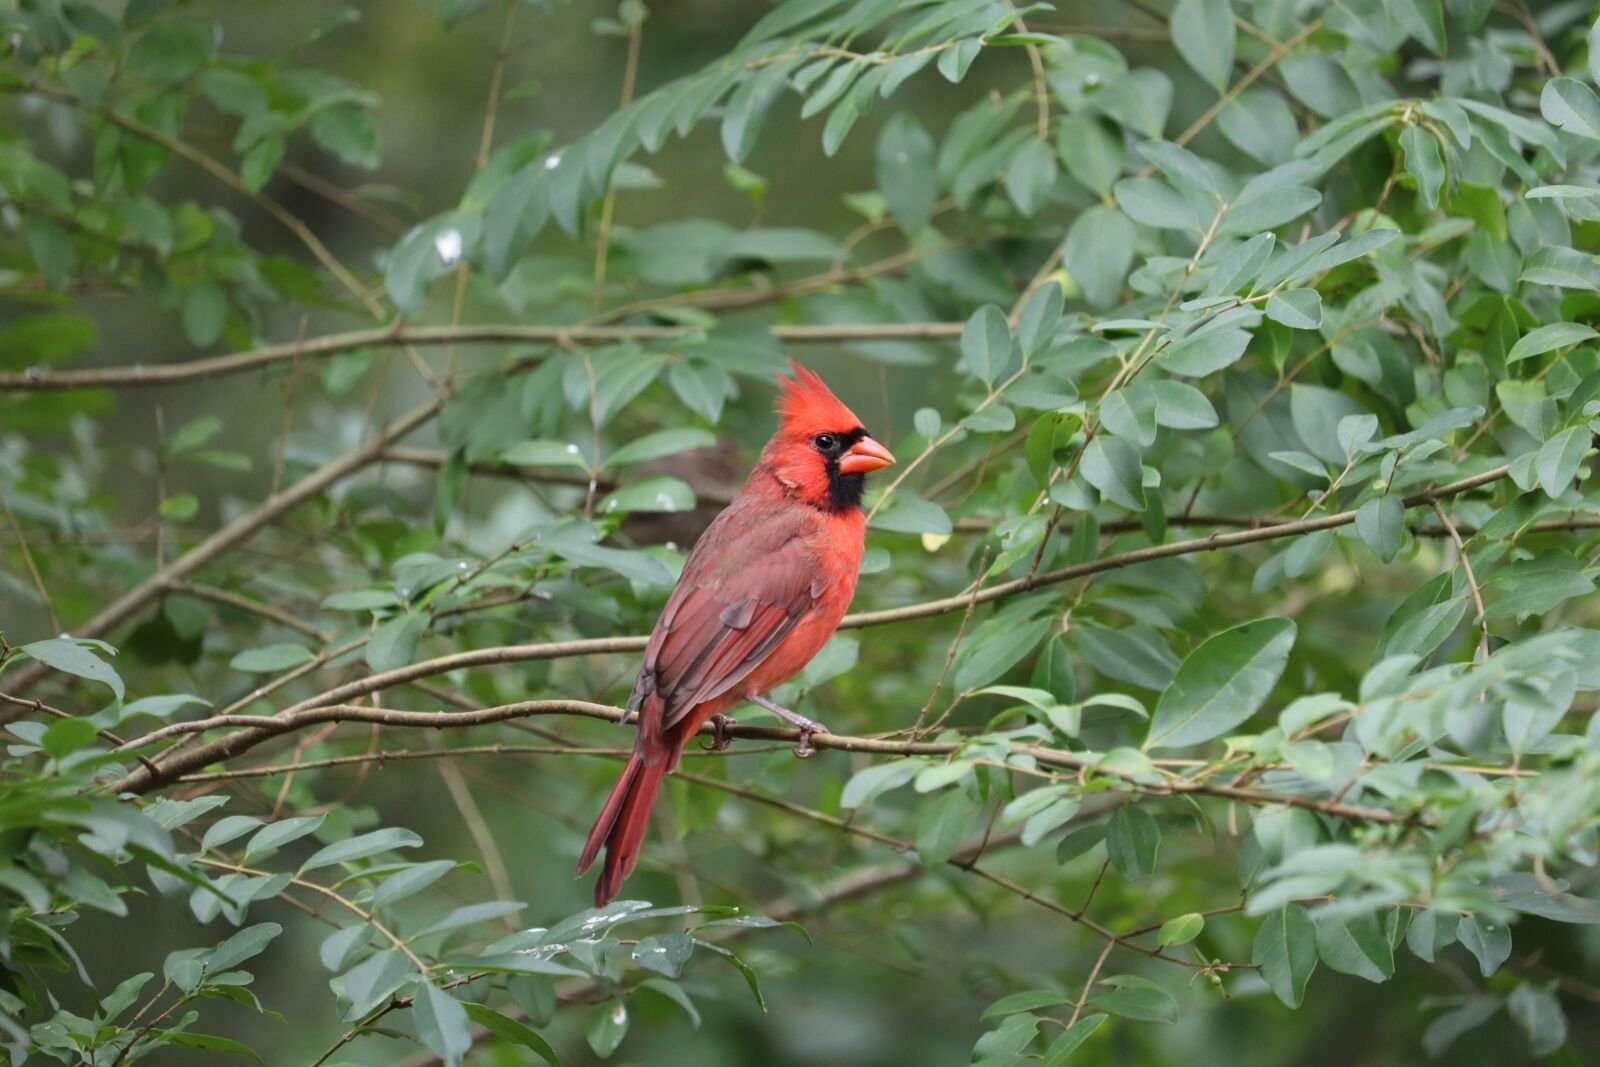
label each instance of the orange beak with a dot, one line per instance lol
(865, 455)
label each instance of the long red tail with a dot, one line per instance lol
(622, 824)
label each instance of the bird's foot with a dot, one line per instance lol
(806, 726)
(720, 725)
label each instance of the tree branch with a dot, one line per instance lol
(254, 730)
(38, 378)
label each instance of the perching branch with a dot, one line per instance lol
(253, 730)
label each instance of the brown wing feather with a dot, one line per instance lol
(743, 589)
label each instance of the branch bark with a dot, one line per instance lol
(38, 378)
(254, 730)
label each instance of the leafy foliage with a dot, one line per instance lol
(1246, 393)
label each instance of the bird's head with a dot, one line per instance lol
(821, 451)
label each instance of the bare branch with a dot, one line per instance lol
(194, 370)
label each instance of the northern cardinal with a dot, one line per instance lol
(762, 591)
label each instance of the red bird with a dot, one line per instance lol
(761, 593)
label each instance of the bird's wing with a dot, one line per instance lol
(743, 590)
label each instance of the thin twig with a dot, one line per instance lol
(608, 206)
(1472, 581)
(33, 569)
(195, 370)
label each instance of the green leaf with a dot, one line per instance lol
(1133, 840)
(442, 1023)
(227, 829)
(1031, 175)
(656, 445)
(659, 494)
(1222, 683)
(957, 59)
(1318, 81)
(876, 779)
(1181, 406)
(1062, 1048)
(1181, 930)
(246, 944)
(1098, 252)
(1425, 21)
(1268, 207)
(394, 644)
(1140, 100)
(943, 824)
(233, 92)
(275, 835)
(1028, 1000)
(784, 246)
(408, 881)
(906, 172)
(508, 1029)
(1570, 105)
(361, 600)
(53, 251)
(607, 1027)
(1355, 945)
(426, 253)
(180, 507)
(1036, 326)
(170, 51)
(1544, 339)
(1488, 940)
(347, 132)
(206, 1042)
(1534, 586)
(1566, 268)
(272, 658)
(909, 514)
(1201, 354)
(370, 982)
(1539, 1014)
(260, 162)
(70, 657)
(1091, 154)
(66, 736)
(1559, 458)
(986, 343)
(1261, 124)
(1381, 522)
(545, 454)
(1424, 162)
(361, 846)
(1133, 997)
(1286, 951)
(1204, 35)
(1155, 203)
(205, 310)
(1298, 309)
(1112, 465)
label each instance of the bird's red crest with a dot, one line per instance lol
(807, 404)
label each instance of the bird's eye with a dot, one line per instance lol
(825, 442)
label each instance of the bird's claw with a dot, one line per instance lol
(803, 749)
(720, 725)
